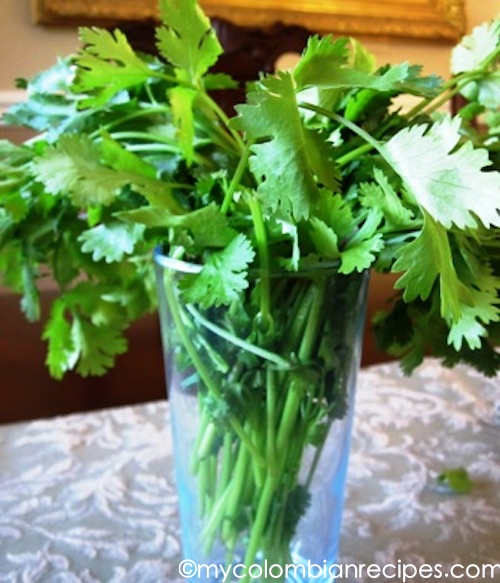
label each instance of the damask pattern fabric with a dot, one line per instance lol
(90, 498)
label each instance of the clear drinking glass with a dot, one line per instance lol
(261, 398)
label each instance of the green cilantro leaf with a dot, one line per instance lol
(465, 301)
(473, 50)
(49, 105)
(327, 68)
(111, 242)
(223, 276)
(181, 102)
(207, 226)
(73, 167)
(328, 64)
(297, 503)
(448, 183)
(318, 52)
(324, 239)
(149, 216)
(133, 170)
(6, 225)
(97, 346)
(456, 479)
(361, 250)
(360, 57)
(483, 308)
(333, 210)
(61, 354)
(426, 259)
(14, 174)
(217, 81)
(468, 327)
(380, 194)
(186, 38)
(86, 323)
(320, 155)
(336, 235)
(106, 66)
(119, 158)
(287, 157)
(30, 301)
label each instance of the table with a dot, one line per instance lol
(90, 498)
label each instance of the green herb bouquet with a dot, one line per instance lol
(318, 170)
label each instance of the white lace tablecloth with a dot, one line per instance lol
(90, 498)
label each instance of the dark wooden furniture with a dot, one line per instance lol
(27, 391)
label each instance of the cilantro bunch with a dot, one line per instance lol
(319, 166)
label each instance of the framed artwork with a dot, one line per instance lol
(418, 19)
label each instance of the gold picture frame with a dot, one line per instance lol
(417, 19)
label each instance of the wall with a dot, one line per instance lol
(25, 48)
(434, 57)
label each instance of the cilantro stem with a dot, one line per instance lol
(216, 517)
(236, 179)
(156, 143)
(9, 184)
(143, 110)
(226, 463)
(288, 423)
(266, 321)
(205, 445)
(204, 421)
(219, 112)
(271, 414)
(200, 367)
(360, 151)
(150, 94)
(369, 139)
(306, 350)
(453, 86)
(261, 517)
(244, 344)
(236, 488)
(299, 320)
(353, 154)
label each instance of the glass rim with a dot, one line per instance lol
(180, 266)
(175, 264)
